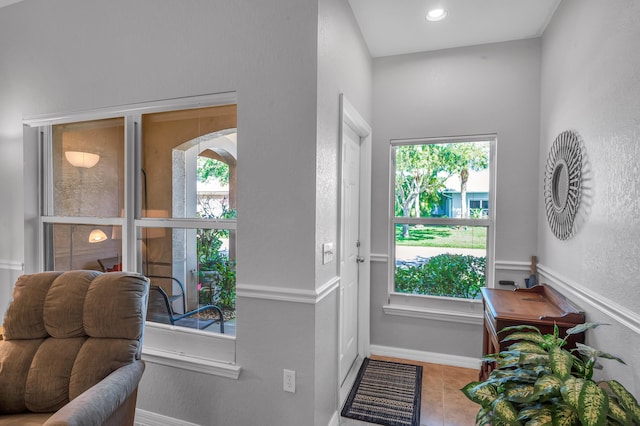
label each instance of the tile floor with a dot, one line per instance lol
(442, 402)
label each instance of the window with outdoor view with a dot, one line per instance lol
(153, 193)
(189, 165)
(442, 216)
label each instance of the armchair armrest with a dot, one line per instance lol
(98, 404)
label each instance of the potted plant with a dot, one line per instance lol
(538, 382)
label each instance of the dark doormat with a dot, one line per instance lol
(385, 393)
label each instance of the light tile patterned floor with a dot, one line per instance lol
(442, 402)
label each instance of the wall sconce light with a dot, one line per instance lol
(85, 160)
(97, 236)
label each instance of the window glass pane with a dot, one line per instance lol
(73, 246)
(189, 160)
(196, 270)
(440, 260)
(87, 166)
(442, 180)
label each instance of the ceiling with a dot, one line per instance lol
(394, 27)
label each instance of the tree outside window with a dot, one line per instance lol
(441, 217)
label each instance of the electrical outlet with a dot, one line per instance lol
(289, 381)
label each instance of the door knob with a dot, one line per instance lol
(360, 259)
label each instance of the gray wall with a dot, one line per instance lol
(72, 55)
(475, 90)
(344, 66)
(590, 69)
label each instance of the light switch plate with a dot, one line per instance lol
(327, 253)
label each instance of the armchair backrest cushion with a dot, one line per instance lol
(66, 331)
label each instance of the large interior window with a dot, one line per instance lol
(189, 165)
(442, 216)
(153, 193)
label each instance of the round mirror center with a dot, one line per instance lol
(560, 186)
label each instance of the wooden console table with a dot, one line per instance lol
(540, 306)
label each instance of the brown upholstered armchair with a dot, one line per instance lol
(70, 353)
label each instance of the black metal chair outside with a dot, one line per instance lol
(160, 310)
(173, 297)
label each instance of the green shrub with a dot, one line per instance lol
(222, 291)
(450, 275)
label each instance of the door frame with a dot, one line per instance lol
(349, 116)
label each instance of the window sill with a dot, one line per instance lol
(185, 362)
(194, 350)
(447, 309)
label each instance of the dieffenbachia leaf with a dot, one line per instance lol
(482, 393)
(530, 337)
(619, 414)
(520, 393)
(483, 418)
(527, 347)
(564, 415)
(533, 359)
(505, 412)
(581, 328)
(519, 375)
(542, 418)
(626, 399)
(519, 328)
(561, 362)
(570, 391)
(593, 405)
(547, 386)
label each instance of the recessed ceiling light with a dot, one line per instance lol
(436, 15)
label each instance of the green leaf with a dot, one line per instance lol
(547, 386)
(570, 391)
(581, 328)
(619, 414)
(530, 337)
(561, 362)
(483, 418)
(609, 356)
(519, 328)
(564, 415)
(505, 412)
(528, 412)
(542, 418)
(593, 405)
(626, 399)
(482, 393)
(518, 375)
(520, 393)
(533, 359)
(587, 351)
(542, 369)
(527, 347)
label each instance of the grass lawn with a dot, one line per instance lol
(473, 237)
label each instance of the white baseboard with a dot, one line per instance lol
(431, 357)
(147, 418)
(335, 419)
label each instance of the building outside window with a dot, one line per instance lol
(442, 221)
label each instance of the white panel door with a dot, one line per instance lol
(349, 256)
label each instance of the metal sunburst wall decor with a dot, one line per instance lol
(563, 183)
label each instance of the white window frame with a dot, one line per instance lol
(204, 352)
(466, 311)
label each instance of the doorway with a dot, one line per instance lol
(354, 264)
